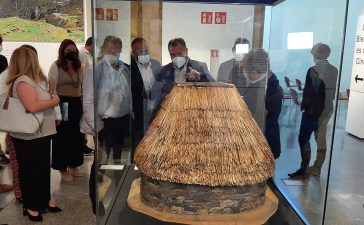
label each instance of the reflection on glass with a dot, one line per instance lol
(113, 98)
(317, 108)
(144, 70)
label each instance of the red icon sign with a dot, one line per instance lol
(206, 17)
(220, 17)
(99, 14)
(112, 14)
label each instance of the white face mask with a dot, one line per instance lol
(179, 61)
(1, 48)
(144, 59)
(112, 59)
(238, 57)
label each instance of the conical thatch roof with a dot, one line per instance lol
(205, 134)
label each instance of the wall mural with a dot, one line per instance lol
(41, 20)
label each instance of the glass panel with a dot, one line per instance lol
(346, 183)
(225, 43)
(305, 51)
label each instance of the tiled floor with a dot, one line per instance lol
(345, 199)
(72, 197)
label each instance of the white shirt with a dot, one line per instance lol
(114, 98)
(3, 86)
(85, 57)
(180, 75)
(147, 76)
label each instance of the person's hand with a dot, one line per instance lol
(58, 122)
(192, 74)
(55, 99)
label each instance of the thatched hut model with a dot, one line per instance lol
(204, 153)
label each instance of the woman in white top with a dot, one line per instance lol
(33, 150)
(113, 94)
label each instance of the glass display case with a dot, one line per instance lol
(144, 47)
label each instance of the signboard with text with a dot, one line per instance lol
(206, 17)
(357, 76)
(220, 17)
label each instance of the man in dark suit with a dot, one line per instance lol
(181, 69)
(312, 106)
(144, 70)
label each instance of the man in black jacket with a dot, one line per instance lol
(312, 106)
(144, 70)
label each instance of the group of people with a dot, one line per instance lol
(127, 96)
(59, 98)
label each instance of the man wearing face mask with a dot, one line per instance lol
(232, 71)
(143, 72)
(181, 69)
(256, 67)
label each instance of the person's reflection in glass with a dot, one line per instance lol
(255, 64)
(273, 106)
(144, 70)
(328, 73)
(113, 95)
(232, 71)
(313, 104)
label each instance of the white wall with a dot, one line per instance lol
(120, 28)
(47, 51)
(325, 18)
(183, 20)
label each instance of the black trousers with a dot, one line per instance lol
(67, 144)
(34, 171)
(113, 134)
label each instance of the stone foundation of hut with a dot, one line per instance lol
(199, 199)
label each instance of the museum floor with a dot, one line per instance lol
(345, 199)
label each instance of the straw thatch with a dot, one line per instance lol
(205, 134)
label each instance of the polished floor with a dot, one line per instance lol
(72, 197)
(345, 197)
(346, 192)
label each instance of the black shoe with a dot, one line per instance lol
(32, 218)
(54, 209)
(87, 150)
(301, 172)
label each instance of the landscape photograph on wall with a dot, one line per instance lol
(41, 20)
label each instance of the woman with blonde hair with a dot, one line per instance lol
(29, 85)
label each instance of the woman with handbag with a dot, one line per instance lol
(28, 84)
(67, 146)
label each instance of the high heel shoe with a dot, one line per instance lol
(54, 209)
(31, 217)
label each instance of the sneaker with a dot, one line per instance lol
(4, 159)
(5, 188)
(75, 172)
(66, 176)
(87, 150)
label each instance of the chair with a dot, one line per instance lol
(295, 99)
(343, 97)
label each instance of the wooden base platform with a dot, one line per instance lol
(256, 217)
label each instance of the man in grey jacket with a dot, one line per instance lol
(232, 71)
